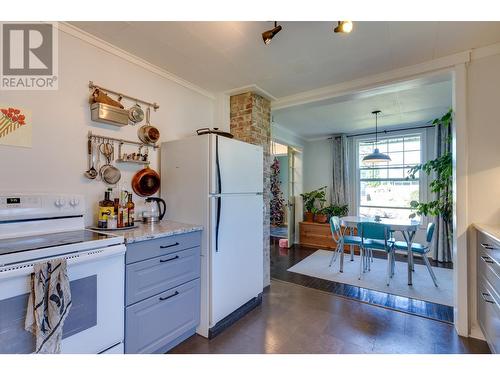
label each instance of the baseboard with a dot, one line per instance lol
(234, 316)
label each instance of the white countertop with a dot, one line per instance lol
(492, 230)
(164, 228)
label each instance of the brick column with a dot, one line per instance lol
(250, 116)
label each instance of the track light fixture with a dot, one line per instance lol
(268, 35)
(344, 27)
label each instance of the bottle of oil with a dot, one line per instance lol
(119, 216)
(130, 208)
(123, 208)
(106, 208)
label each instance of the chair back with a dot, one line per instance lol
(335, 227)
(373, 231)
(430, 232)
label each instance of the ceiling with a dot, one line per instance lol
(221, 56)
(402, 105)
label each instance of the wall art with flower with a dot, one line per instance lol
(15, 126)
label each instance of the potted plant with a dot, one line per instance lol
(310, 199)
(336, 210)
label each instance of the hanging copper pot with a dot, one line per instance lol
(146, 182)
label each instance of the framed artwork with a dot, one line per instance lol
(15, 126)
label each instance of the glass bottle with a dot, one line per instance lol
(130, 208)
(106, 208)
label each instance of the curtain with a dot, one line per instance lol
(443, 233)
(340, 183)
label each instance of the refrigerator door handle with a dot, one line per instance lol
(217, 222)
(217, 164)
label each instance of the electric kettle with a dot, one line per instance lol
(154, 211)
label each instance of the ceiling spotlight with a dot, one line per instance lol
(269, 34)
(343, 27)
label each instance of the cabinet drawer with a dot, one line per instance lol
(149, 277)
(142, 250)
(488, 261)
(152, 324)
(488, 313)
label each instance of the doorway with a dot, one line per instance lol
(283, 192)
(409, 141)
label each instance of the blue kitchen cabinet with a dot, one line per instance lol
(162, 292)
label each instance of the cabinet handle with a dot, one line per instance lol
(170, 296)
(487, 259)
(168, 260)
(487, 297)
(489, 247)
(167, 246)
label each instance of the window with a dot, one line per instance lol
(383, 189)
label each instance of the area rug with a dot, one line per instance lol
(316, 265)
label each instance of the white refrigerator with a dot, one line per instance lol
(218, 182)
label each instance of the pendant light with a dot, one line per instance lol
(376, 156)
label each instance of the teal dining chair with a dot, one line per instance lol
(421, 249)
(375, 236)
(341, 239)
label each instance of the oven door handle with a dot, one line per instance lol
(26, 268)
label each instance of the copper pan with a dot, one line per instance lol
(146, 182)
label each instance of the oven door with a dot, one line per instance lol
(95, 322)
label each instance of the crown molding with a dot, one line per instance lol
(486, 51)
(108, 47)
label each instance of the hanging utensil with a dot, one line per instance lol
(91, 173)
(109, 173)
(135, 114)
(148, 133)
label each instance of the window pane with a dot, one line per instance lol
(412, 143)
(396, 158)
(388, 193)
(396, 145)
(397, 173)
(412, 157)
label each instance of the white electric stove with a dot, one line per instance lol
(37, 227)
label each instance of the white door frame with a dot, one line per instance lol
(454, 65)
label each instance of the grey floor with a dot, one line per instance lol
(297, 319)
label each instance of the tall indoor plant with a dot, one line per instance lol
(441, 169)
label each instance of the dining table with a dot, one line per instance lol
(407, 227)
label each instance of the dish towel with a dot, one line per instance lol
(48, 305)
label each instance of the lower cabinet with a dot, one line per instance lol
(151, 325)
(162, 290)
(488, 289)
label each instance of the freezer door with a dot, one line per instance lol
(236, 167)
(236, 252)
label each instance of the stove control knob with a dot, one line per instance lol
(60, 202)
(74, 202)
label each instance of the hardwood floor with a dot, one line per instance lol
(296, 319)
(283, 259)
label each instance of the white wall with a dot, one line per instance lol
(61, 120)
(318, 164)
(483, 180)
